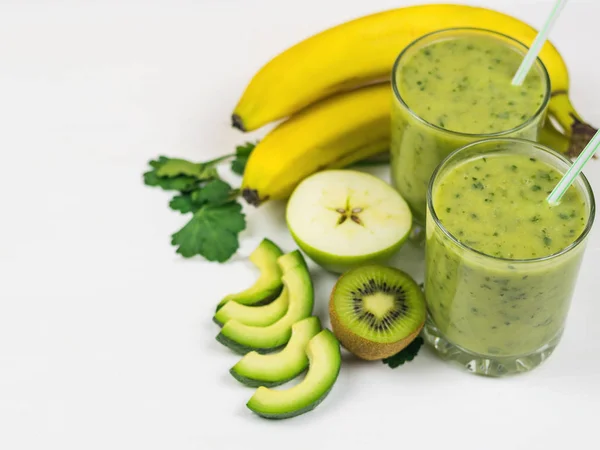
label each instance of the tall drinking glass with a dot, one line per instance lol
(501, 264)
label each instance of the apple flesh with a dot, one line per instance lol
(343, 219)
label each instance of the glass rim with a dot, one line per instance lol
(586, 186)
(529, 121)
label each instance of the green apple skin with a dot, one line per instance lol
(339, 264)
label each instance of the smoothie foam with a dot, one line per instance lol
(464, 85)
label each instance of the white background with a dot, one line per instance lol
(106, 339)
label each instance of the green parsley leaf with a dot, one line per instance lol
(207, 172)
(242, 153)
(173, 167)
(184, 203)
(173, 174)
(245, 149)
(212, 232)
(408, 354)
(181, 183)
(217, 218)
(215, 192)
(158, 163)
(178, 174)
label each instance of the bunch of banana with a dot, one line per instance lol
(331, 122)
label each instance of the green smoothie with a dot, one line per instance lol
(495, 294)
(453, 88)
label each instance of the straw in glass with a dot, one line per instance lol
(538, 43)
(570, 175)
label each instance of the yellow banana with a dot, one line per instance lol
(363, 51)
(333, 133)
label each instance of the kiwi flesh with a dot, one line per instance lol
(376, 311)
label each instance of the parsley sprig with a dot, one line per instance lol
(406, 355)
(217, 217)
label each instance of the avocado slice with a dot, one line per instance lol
(258, 316)
(268, 286)
(243, 338)
(256, 370)
(324, 357)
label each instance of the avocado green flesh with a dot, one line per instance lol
(243, 338)
(271, 370)
(268, 286)
(258, 316)
(324, 356)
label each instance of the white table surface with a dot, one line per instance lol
(106, 338)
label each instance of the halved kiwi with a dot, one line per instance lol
(376, 311)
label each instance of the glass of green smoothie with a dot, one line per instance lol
(501, 263)
(453, 87)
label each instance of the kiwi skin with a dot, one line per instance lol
(362, 347)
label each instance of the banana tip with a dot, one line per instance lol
(236, 122)
(251, 196)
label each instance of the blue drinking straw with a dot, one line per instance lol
(538, 43)
(574, 170)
